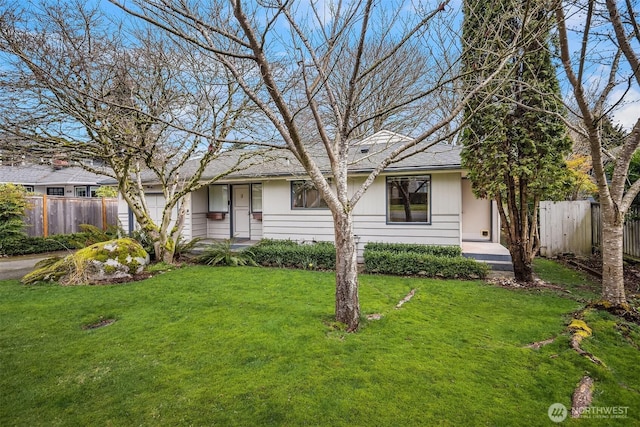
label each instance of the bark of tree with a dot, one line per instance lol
(617, 24)
(347, 298)
(340, 77)
(612, 256)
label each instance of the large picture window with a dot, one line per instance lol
(218, 198)
(408, 199)
(304, 195)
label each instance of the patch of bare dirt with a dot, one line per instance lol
(593, 266)
(99, 324)
(511, 283)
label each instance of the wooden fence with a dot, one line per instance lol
(49, 215)
(631, 232)
(565, 227)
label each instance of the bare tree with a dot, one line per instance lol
(331, 71)
(79, 86)
(608, 36)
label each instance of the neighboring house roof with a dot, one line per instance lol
(43, 174)
(365, 156)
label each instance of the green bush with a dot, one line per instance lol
(25, 245)
(222, 253)
(13, 205)
(416, 264)
(443, 251)
(287, 253)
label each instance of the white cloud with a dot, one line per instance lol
(628, 111)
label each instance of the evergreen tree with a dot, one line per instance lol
(514, 145)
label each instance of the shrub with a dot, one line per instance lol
(222, 253)
(13, 204)
(417, 264)
(287, 253)
(443, 251)
(25, 245)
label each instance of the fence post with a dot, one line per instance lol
(104, 214)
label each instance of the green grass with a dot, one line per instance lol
(577, 283)
(250, 346)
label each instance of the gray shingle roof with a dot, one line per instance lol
(42, 174)
(365, 156)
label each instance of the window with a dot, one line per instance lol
(256, 197)
(304, 195)
(55, 191)
(218, 198)
(81, 191)
(29, 188)
(408, 199)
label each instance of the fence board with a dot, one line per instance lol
(565, 227)
(66, 214)
(631, 230)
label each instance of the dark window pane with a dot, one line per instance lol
(408, 199)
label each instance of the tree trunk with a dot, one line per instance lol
(612, 258)
(347, 301)
(522, 263)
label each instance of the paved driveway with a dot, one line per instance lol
(18, 266)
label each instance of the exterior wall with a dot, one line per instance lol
(370, 218)
(123, 214)
(196, 223)
(281, 222)
(477, 221)
(68, 189)
(256, 228)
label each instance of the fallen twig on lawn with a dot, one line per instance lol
(582, 396)
(537, 345)
(407, 298)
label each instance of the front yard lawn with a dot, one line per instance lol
(251, 346)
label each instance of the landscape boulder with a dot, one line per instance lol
(113, 260)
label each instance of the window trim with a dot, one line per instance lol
(209, 198)
(261, 196)
(292, 195)
(429, 200)
(56, 188)
(78, 187)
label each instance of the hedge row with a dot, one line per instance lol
(24, 245)
(443, 251)
(416, 264)
(287, 253)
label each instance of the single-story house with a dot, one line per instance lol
(55, 179)
(425, 199)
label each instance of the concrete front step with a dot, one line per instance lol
(495, 261)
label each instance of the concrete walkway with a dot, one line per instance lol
(17, 266)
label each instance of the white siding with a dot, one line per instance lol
(219, 229)
(198, 214)
(123, 214)
(256, 228)
(282, 222)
